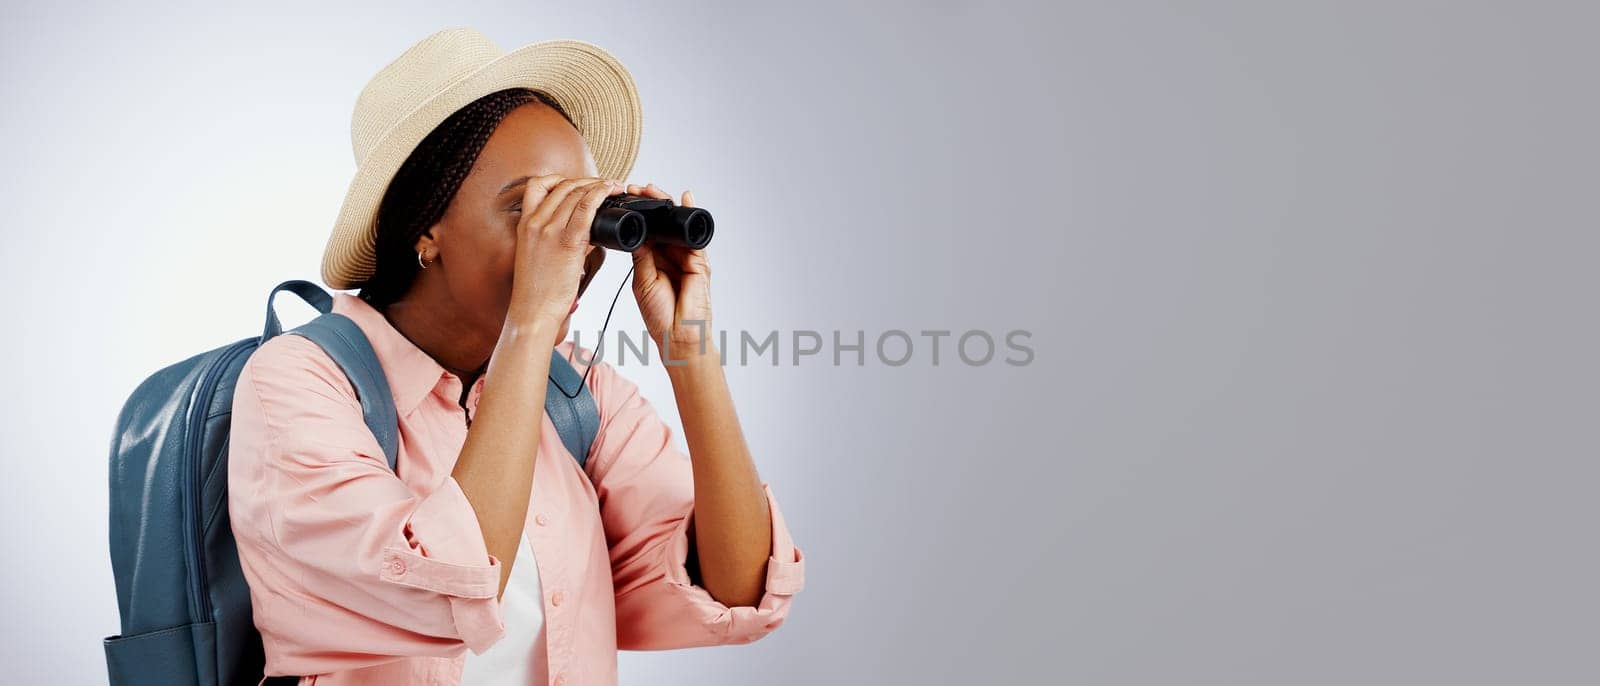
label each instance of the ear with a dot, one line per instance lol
(427, 244)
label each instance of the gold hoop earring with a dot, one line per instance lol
(420, 263)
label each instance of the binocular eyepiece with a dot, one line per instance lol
(624, 222)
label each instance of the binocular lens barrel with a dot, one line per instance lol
(625, 222)
(687, 226)
(617, 229)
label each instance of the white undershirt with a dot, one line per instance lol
(518, 658)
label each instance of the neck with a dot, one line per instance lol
(443, 334)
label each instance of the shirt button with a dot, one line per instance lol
(556, 598)
(540, 519)
(397, 566)
(561, 679)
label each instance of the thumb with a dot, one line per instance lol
(644, 267)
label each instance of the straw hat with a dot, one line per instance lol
(441, 74)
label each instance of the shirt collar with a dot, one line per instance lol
(411, 372)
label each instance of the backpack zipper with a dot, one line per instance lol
(199, 408)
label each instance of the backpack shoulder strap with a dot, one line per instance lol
(339, 336)
(576, 418)
(343, 340)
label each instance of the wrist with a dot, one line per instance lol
(538, 311)
(685, 336)
(689, 361)
(531, 329)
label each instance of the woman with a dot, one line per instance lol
(490, 556)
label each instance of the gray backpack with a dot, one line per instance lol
(185, 608)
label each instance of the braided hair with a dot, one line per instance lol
(425, 184)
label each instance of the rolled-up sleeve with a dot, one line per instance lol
(646, 490)
(347, 566)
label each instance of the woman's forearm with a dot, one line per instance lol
(495, 468)
(732, 524)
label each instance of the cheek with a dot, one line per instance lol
(496, 251)
(504, 261)
(488, 258)
(500, 265)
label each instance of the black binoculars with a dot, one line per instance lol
(624, 222)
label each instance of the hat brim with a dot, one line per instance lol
(589, 83)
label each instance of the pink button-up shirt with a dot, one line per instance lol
(360, 576)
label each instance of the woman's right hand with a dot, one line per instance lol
(552, 242)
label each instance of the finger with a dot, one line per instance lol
(541, 216)
(652, 191)
(536, 190)
(579, 199)
(644, 267)
(584, 206)
(702, 264)
(554, 218)
(664, 266)
(680, 260)
(688, 199)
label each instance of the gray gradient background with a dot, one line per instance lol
(1310, 284)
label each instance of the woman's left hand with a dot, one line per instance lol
(672, 284)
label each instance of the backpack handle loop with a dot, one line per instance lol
(309, 292)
